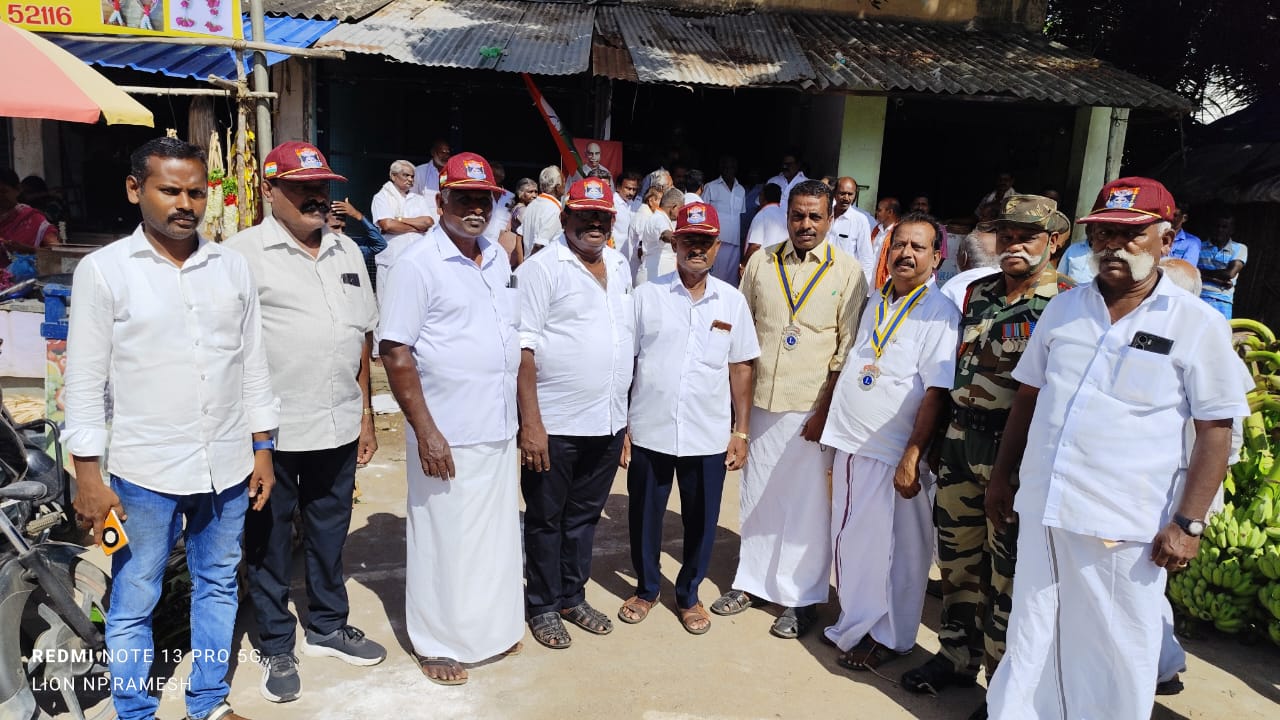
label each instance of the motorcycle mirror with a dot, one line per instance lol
(24, 490)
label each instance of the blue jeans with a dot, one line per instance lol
(1221, 306)
(214, 526)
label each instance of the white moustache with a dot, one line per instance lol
(480, 218)
(1140, 264)
(1021, 255)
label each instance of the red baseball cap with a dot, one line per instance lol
(1132, 201)
(467, 171)
(297, 162)
(590, 194)
(698, 218)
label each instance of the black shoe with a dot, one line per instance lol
(280, 681)
(980, 713)
(935, 676)
(934, 588)
(347, 643)
(1172, 686)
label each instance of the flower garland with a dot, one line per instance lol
(184, 20)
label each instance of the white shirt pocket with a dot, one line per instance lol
(1145, 378)
(715, 351)
(223, 320)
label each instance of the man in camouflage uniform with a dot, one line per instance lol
(999, 313)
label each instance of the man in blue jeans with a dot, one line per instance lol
(170, 322)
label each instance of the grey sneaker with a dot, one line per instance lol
(280, 681)
(347, 643)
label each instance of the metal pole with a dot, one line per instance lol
(261, 81)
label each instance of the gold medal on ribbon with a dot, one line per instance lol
(791, 333)
(791, 336)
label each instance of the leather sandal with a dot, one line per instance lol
(442, 662)
(548, 630)
(688, 616)
(866, 655)
(588, 618)
(732, 603)
(635, 609)
(935, 676)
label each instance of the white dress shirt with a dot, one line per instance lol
(680, 401)
(181, 350)
(500, 218)
(622, 227)
(540, 223)
(462, 321)
(769, 227)
(876, 422)
(781, 181)
(389, 204)
(315, 314)
(1106, 440)
(851, 233)
(581, 337)
(691, 197)
(729, 204)
(958, 286)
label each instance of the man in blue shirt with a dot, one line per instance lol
(1221, 261)
(1185, 245)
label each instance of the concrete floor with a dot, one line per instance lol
(655, 670)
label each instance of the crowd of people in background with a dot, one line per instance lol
(895, 392)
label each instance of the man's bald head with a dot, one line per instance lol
(1183, 274)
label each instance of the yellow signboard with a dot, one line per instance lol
(173, 18)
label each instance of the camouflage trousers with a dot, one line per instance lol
(976, 561)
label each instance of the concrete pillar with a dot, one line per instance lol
(862, 144)
(28, 146)
(1096, 151)
(294, 80)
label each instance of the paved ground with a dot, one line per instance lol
(655, 670)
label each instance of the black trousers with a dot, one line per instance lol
(562, 508)
(321, 484)
(649, 480)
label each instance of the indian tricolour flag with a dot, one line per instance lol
(568, 154)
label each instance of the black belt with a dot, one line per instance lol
(988, 421)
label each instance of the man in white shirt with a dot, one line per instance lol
(540, 223)
(790, 175)
(318, 317)
(976, 257)
(1110, 378)
(500, 220)
(692, 186)
(657, 257)
(639, 220)
(577, 354)
(1003, 189)
(427, 178)
(769, 226)
(849, 228)
(623, 193)
(695, 343)
(884, 414)
(170, 322)
(449, 324)
(659, 178)
(888, 210)
(400, 213)
(728, 196)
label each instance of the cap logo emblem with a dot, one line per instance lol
(270, 169)
(474, 169)
(593, 190)
(1122, 198)
(697, 215)
(308, 158)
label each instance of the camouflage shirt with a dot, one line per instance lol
(993, 335)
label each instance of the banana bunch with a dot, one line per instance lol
(1264, 511)
(1233, 530)
(1273, 629)
(1268, 562)
(1227, 611)
(1269, 598)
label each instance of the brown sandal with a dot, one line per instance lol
(689, 616)
(638, 608)
(866, 655)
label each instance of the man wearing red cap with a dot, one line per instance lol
(577, 354)
(449, 324)
(318, 317)
(695, 343)
(1112, 374)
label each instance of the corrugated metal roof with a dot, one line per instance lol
(541, 38)
(193, 61)
(870, 55)
(324, 9)
(670, 49)
(763, 46)
(609, 54)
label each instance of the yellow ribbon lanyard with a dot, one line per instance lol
(879, 339)
(795, 303)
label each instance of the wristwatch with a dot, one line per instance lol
(268, 444)
(1194, 528)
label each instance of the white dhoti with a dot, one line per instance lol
(1173, 659)
(1084, 631)
(463, 572)
(883, 545)
(785, 510)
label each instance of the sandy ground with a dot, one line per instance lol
(654, 670)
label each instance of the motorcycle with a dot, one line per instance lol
(53, 601)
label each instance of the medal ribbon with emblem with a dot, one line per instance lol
(791, 334)
(880, 338)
